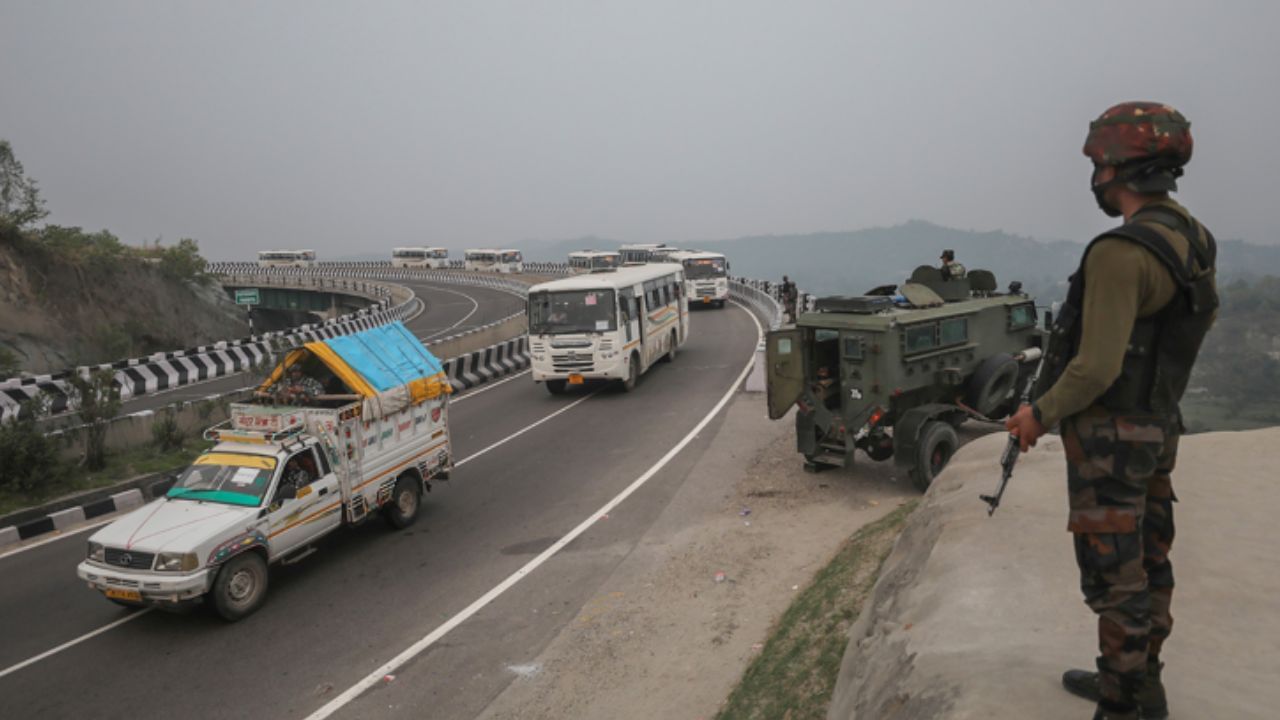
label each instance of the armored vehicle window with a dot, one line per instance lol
(1022, 316)
(784, 346)
(921, 338)
(955, 331)
(853, 348)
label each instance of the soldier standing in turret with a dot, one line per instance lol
(951, 270)
(1116, 366)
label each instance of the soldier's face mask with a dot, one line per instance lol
(1100, 188)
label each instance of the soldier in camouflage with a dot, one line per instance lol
(296, 388)
(1116, 365)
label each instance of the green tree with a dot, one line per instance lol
(20, 203)
(183, 261)
(96, 400)
(9, 364)
(31, 460)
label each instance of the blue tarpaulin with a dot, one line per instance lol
(387, 357)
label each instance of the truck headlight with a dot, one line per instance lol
(97, 552)
(176, 562)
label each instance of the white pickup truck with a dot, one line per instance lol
(278, 479)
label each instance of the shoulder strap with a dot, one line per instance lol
(1153, 241)
(1205, 255)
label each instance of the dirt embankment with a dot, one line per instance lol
(54, 316)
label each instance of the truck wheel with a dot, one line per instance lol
(240, 587)
(633, 374)
(938, 442)
(555, 387)
(991, 385)
(406, 498)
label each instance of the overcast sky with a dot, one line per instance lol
(354, 127)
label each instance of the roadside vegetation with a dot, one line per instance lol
(795, 674)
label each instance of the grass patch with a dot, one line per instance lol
(795, 674)
(121, 465)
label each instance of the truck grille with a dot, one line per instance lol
(577, 364)
(129, 559)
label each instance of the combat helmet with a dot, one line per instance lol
(1147, 143)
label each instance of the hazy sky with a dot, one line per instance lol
(352, 127)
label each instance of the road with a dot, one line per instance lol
(450, 309)
(531, 468)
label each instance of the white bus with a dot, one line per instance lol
(490, 260)
(589, 261)
(606, 326)
(423, 257)
(286, 258)
(641, 252)
(706, 276)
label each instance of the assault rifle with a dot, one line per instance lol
(1013, 448)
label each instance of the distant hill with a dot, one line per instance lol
(854, 261)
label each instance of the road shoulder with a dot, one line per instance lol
(663, 637)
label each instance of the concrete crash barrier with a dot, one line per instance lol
(978, 617)
(491, 363)
(66, 513)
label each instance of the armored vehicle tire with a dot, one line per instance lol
(240, 587)
(991, 385)
(555, 387)
(406, 498)
(633, 374)
(938, 442)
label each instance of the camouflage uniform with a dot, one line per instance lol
(308, 386)
(1121, 513)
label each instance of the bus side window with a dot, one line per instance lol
(624, 309)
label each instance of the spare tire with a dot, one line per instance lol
(992, 385)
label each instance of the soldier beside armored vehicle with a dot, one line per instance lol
(895, 371)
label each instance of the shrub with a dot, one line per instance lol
(166, 434)
(29, 460)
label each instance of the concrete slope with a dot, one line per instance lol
(977, 617)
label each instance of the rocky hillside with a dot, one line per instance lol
(55, 314)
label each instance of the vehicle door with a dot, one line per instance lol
(306, 503)
(784, 370)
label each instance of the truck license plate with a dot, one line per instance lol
(705, 299)
(133, 595)
(575, 380)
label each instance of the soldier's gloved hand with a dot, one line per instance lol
(1024, 426)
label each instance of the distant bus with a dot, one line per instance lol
(606, 326)
(706, 276)
(641, 252)
(589, 261)
(286, 258)
(423, 257)
(489, 260)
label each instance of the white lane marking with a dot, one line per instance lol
(526, 429)
(487, 387)
(475, 306)
(72, 643)
(434, 636)
(62, 535)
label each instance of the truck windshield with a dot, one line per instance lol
(227, 478)
(704, 268)
(572, 311)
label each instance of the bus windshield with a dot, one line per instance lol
(704, 268)
(572, 311)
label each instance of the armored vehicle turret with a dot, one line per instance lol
(895, 371)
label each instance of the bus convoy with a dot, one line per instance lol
(706, 276)
(606, 326)
(420, 257)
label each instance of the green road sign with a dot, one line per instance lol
(247, 296)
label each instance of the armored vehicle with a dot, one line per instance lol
(894, 372)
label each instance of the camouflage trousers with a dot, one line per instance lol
(1121, 500)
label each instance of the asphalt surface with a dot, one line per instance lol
(370, 592)
(450, 309)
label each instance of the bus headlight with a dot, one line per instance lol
(97, 552)
(176, 562)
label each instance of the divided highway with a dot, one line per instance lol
(450, 309)
(531, 468)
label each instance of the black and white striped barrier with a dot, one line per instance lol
(71, 516)
(476, 368)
